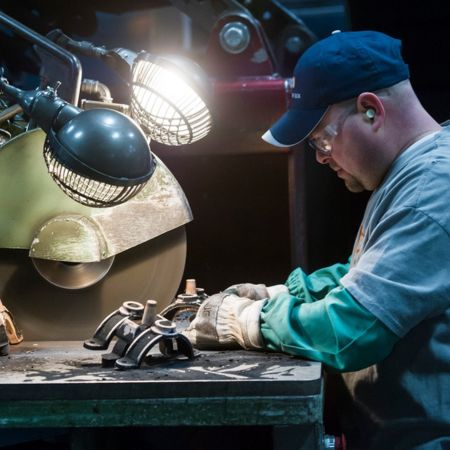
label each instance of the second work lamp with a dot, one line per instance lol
(99, 158)
(167, 94)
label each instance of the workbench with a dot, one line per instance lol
(60, 385)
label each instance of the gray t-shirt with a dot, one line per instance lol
(400, 272)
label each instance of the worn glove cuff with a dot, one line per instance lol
(250, 320)
(238, 320)
(277, 289)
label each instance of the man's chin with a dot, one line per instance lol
(354, 186)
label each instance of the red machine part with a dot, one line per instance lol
(248, 94)
(253, 59)
(250, 103)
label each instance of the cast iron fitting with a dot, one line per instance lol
(164, 327)
(131, 309)
(187, 298)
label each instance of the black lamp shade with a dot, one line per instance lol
(99, 157)
(104, 145)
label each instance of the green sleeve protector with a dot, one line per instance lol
(337, 330)
(316, 285)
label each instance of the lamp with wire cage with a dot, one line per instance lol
(165, 101)
(99, 158)
(169, 94)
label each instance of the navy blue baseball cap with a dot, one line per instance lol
(337, 68)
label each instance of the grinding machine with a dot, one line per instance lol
(71, 252)
(65, 265)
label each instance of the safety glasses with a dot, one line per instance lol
(322, 142)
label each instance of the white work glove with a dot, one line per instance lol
(256, 291)
(227, 321)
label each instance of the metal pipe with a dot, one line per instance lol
(10, 112)
(149, 316)
(54, 49)
(94, 87)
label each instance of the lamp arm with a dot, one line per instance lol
(40, 41)
(119, 59)
(78, 47)
(45, 107)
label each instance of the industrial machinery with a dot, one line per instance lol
(64, 265)
(74, 271)
(58, 289)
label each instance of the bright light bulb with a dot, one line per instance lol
(167, 108)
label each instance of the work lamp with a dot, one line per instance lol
(168, 93)
(99, 158)
(165, 99)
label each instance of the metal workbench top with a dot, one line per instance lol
(64, 370)
(61, 384)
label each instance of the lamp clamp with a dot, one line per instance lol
(56, 87)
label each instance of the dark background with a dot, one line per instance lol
(241, 190)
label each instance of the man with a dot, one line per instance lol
(383, 318)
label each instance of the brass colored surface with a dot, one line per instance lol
(69, 237)
(151, 270)
(6, 319)
(29, 199)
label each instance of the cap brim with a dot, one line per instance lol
(293, 126)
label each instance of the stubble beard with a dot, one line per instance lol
(353, 185)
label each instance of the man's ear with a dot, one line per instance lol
(370, 105)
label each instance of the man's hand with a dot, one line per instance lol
(225, 320)
(256, 291)
(249, 290)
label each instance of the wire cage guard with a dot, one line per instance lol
(169, 111)
(86, 190)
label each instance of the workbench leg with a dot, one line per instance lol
(95, 438)
(81, 438)
(297, 437)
